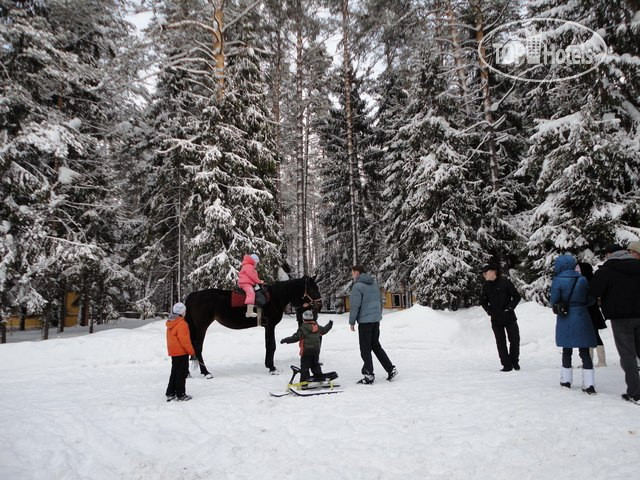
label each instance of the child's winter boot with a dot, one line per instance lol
(251, 311)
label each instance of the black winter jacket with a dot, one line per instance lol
(499, 299)
(308, 336)
(617, 284)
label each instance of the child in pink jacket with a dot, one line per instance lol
(247, 278)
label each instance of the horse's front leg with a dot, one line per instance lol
(270, 346)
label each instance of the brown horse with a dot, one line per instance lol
(205, 306)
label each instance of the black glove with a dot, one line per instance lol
(282, 341)
(330, 324)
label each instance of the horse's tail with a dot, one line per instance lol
(188, 316)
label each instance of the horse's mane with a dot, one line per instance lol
(283, 287)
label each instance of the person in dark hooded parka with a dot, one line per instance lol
(574, 330)
(617, 285)
(586, 270)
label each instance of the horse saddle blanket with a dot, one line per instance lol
(237, 297)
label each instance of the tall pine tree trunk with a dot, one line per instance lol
(92, 321)
(179, 214)
(301, 243)
(84, 305)
(63, 307)
(305, 192)
(486, 98)
(101, 300)
(218, 43)
(351, 160)
(457, 54)
(314, 237)
(277, 84)
(47, 322)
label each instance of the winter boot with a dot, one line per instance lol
(367, 380)
(588, 378)
(251, 311)
(602, 359)
(393, 373)
(184, 398)
(566, 377)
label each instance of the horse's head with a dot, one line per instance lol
(311, 291)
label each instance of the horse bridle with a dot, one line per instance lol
(306, 294)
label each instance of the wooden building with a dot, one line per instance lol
(72, 309)
(392, 300)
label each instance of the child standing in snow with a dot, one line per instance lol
(247, 279)
(308, 336)
(179, 347)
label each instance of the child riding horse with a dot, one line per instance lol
(205, 306)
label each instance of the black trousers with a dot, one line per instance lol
(179, 373)
(369, 337)
(508, 356)
(310, 361)
(587, 363)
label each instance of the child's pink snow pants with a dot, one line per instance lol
(250, 299)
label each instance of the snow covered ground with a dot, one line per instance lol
(93, 407)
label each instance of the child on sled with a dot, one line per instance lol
(308, 336)
(247, 279)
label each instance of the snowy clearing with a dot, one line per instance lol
(94, 407)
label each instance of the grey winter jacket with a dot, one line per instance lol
(365, 301)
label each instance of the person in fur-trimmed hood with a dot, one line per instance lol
(617, 284)
(308, 336)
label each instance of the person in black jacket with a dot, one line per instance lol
(499, 299)
(617, 284)
(596, 316)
